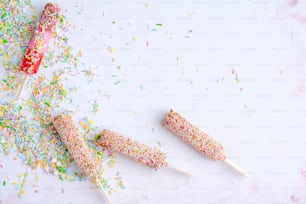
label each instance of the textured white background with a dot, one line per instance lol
(186, 64)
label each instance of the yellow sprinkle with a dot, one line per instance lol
(111, 50)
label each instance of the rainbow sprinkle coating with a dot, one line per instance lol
(132, 149)
(193, 136)
(76, 145)
(49, 17)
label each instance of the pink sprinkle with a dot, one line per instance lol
(301, 87)
(292, 3)
(254, 188)
(294, 198)
(303, 173)
(299, 18)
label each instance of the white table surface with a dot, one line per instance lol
(186, 64)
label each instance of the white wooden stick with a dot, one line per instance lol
(178, 170)
(25, 80)
(104, 193)
(236, 167)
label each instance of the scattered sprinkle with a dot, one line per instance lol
(26, 129)
(237, 78)
(111, 50)
(117, 82)
(95, 107)
(89, 73)
(61, 169)
(294, 198)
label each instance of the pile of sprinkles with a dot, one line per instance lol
(26, 128)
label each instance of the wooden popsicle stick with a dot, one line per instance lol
(236, 167)
(178, 170)
(104, 193)
(25, 80)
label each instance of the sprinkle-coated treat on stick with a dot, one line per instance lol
(78, 148)
(198, 139)
(126, 146)
(40, 39)
(39, 42)
(134, 150)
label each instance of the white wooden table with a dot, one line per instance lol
(237, 69)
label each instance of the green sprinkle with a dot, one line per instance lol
(117, 82)
(61, 169)
(4, 183)
(47, 104)
(64, 92)
(3, 15)
(113, 22)
(4, 41)
(52, 83)
(98, 137)
(121, 185)
(159, 24)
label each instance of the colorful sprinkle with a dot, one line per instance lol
(193, 136)
(26, 129)
(131, 149)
